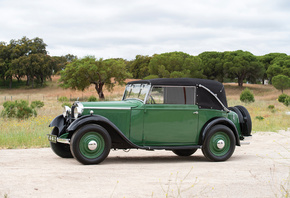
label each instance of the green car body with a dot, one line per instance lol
(181, 115)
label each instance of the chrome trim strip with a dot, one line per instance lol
(226, 109)
(64, 141)
(119, 108)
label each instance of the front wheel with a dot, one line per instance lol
(60, 149)
(91, 144)
(219, 144)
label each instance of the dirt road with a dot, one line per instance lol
(257, 170)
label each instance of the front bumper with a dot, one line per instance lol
(55, 139)
(246, 140)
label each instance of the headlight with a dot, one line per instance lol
(66, 111)
(77, 111)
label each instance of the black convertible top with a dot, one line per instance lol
(203, 98)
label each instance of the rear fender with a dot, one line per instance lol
(222, 121)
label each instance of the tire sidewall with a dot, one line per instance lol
(77, 137)
(206, 147)
(60, 149)
(248, 122)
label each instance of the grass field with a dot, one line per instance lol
(32, 132)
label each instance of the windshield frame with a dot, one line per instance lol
(129, 88)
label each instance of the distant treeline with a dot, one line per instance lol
(29, 58)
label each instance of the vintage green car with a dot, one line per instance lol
(181, 115)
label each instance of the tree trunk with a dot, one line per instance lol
(10, 82)
(240, 82)
(27, 80)
(99, 88)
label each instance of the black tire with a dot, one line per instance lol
(247, 126)
(184, 153)
(240, 116)
(91, 144)
(219, 143)
(60, 149)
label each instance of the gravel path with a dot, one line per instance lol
(257, 170)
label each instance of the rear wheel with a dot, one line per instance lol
(186, 152)
(219, 144)
(60, 149)
(91, 144)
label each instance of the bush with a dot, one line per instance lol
(271, 107)
(247, 96)
(260, 118)
(63, 99)
(66, 104)
(285, 99)
(282, 98)
(92, 99)
(20, 109)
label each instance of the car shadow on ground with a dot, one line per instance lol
(152, 159)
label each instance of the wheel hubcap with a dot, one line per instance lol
(220, 144)
(92, 145)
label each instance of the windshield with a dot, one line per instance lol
(136, 91)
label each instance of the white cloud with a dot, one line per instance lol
(126, 28)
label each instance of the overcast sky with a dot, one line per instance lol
(126, 28)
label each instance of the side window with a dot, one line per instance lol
(156, 96)
(172, 95)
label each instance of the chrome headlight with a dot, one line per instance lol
(66, 111)
(77, 112)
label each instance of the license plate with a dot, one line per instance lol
(52, 138)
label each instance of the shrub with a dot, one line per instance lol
(259, 118)
(285, 99)
(282, 98)
(92, 99)
(271, 107)
(66, 104)
(20, 109)
(247, 96)
(63, 99)
(36, 104)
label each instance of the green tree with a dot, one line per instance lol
(212, 63)
(175, 64)
(81, 73)
(267, 61)
(281, 82)
(242, 65)
(139, 67)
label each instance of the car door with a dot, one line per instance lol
(171, 117)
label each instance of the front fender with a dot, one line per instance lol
(223, 121)
(58, 122)
(97, 119)
(87, 119)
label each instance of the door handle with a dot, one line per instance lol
(196, 112)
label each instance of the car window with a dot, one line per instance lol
(136, 91)
(172, 95)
